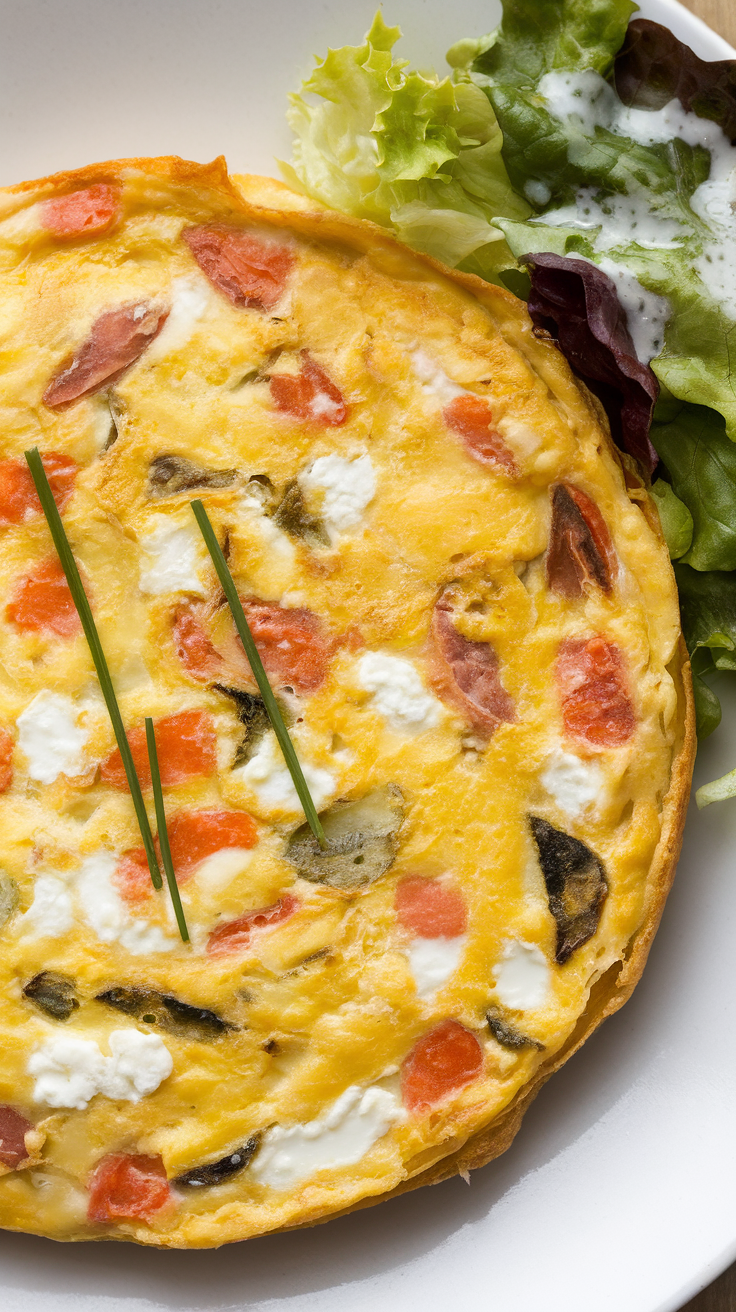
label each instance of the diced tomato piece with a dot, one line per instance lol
(580, 548)
(6, 760)
(430, 908)
(125, 1186)
(18, 497)
(466, 674)
(294, 650)
(118, 338)
(198, 655)
(596, 706)
(252, 273)
(13, 1129)
(440, 1063)
(195, 835)
(42, 602)
(309, 395)
(131, 876)
(84, 213)
(236, 935)
(186, 744)
(471, 418)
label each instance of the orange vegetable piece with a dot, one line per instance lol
(309, 395)
(235, 936)
(198, 655)
(195, 835)
(42, 602)
(6, 760)
(13, 1129)
(596, 706)
(85, 213)
(430, 908)
(290, 643)
(18, 498)
(471, 418)
(132, 877)
(126, 1186)
(250, 272)
(187, 747)
(440, 1063)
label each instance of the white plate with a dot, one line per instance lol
(620, 1191)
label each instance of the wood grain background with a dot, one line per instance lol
(721, 1296)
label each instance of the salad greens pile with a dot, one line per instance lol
(575, 132)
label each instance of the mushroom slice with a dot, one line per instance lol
(361, 838)
(217, 1172)
(576, 885)
(177, 1017)
(9, 897)
(53, 994)
(507, 1035)
(294, 517)
(168, 475)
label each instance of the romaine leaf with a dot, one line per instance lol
(701, 462)
(675, 518)
(653, 67)
(408, 150)
(539, 35)
(577, 303)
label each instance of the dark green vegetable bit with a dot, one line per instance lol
(507, 1035)
(576, 885)
(53, 994)
(161, 1009)
(218, 1172)
(294, 517)
(169, 475)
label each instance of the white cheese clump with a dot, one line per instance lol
(174, 553)
(346, 1132)
(398, 692)
(572, 782)
(50, 737)
(107, 914)
(433, 961)
(522, 976)
(267, 774)
(190, 299)
(434, 380)
(69, 1070)
(348, 486)
(50, 913)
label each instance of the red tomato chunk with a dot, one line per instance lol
(471, 418)
(85, 213)
(596, 707)
(42, 602)
(13, 1129)
(6, 760)
(196, 652)
(310, 395)
(290, 643)
(440, 1063)
(125, 1186)
(131, 876)
(430, 908)
(186, 744)
(235, 936)
(18, 498)
(118, 338)
(195, 835)
(251, 273)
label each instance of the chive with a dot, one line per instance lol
(256, 665)
(79, 597)
(163, 833)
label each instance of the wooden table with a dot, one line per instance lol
(720, 1296)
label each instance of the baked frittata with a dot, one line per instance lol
(467, 613)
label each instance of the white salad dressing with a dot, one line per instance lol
(357, 1120)
(190, 300)
(435, 382)
(50, 737)
(70, 1070)
(106, 913)
(585, 101)
(522, 976)
(268, 775)
(175, 553)
(572, 782)
(398, 693)
(50, 913)
(347, 485)
(433, 961)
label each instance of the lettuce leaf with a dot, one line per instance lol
(408, 150)
(708, 611)
(701, 464)
(653, 67)
(675, 518)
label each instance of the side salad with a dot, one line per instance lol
(585, 160)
